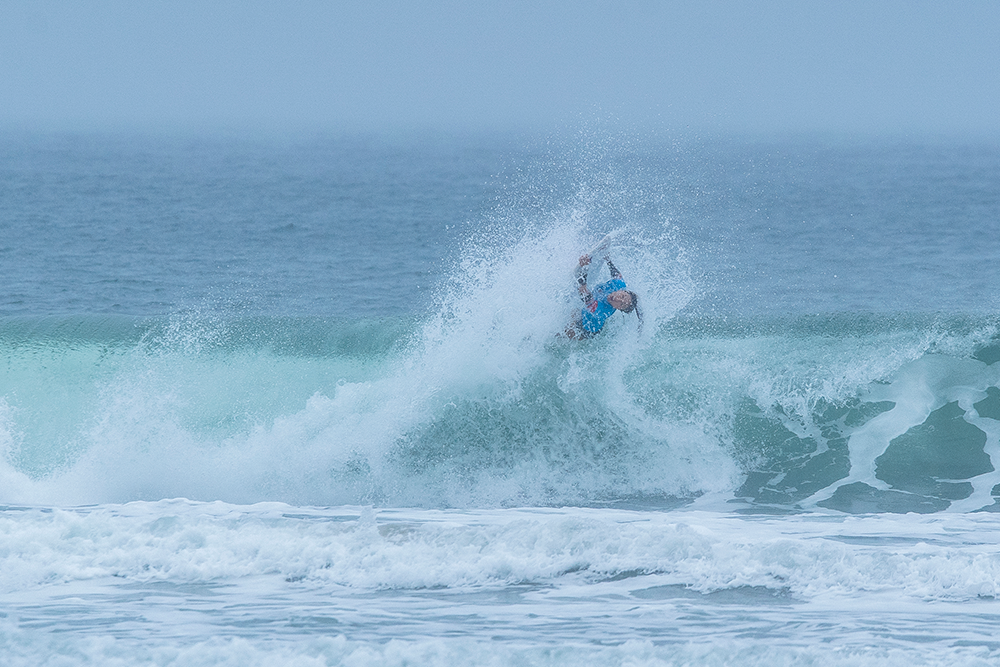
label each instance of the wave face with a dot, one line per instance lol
(488, 407)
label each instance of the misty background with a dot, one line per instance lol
(900, 67)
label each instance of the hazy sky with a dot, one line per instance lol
(909, 66)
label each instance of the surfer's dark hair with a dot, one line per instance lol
(633, 303)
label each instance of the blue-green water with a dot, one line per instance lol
(305, 401)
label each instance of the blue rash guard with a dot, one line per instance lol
(597, 309)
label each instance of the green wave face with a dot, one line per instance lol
(851, 413)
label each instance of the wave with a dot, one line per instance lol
(481, 402)
(856, 413)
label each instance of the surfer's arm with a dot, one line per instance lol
(615, 273)
(581, 278)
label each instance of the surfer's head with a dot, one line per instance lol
(623, 300)
(633, 302)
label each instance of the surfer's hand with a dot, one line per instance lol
(584, 260)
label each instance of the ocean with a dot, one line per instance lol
(305, 400)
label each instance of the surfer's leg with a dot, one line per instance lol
(574, 329)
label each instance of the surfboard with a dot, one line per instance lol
(597, 254)
(600, 250)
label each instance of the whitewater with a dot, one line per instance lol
(306, 402)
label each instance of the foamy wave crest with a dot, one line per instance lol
(648, 555)
(482, 402)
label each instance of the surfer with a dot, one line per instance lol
(602, 302)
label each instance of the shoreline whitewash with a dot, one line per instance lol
(273, 579)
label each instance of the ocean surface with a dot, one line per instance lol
(305, 401)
